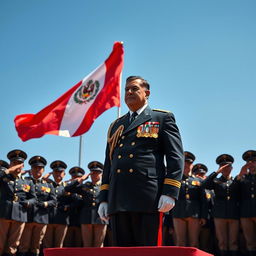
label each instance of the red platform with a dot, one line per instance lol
(127, 251)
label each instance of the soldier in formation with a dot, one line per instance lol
(190, 211)
(92, 227)
(38, 213)
(32, 206)
(17, 195)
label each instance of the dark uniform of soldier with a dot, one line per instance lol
(17, 194)
(190, 212)
(136, 184)
(38, 214)
(93, 228)
(225, 206)
(74, 236)
(58, 216)
(3, 166)
(206, 239)
(247, 180)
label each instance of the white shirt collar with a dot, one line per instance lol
(140, 110)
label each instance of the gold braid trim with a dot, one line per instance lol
(114, 138)
(172, 182)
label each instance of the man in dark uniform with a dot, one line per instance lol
(225, 205)
(190, 212)
(136, 184)
(168, 227)
(74, 236)
(38, 215)
(206, 239)
(17, 194)
(3, 166)
(247, 180)
(58, 216)
(93, 228)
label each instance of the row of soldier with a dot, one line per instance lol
(36, 210)
(221, 205)
(39, 212)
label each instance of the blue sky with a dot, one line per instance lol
(198, 55)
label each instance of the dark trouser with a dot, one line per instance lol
(73, 237)
(135, 228)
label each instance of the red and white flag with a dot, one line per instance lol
(75, 111)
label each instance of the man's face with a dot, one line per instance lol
(96, 176)
(58, 176)
(226, 171)
(135, 95)
(13, 163)
(187, 167)
(252, 166)
(37, 172)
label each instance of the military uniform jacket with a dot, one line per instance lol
(192, 201)
(75, 209)
(226, 198)
(60, 213)
(44, 193)
(90, 195)
(15, 192)
(248, 196)
(136, 176)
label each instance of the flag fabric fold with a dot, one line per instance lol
(75, 111)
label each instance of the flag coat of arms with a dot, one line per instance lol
(75, 111)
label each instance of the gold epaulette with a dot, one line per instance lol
(112, 141)
(104, 187)
(161, 110)
(172, 182)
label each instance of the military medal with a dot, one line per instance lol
(148, 130)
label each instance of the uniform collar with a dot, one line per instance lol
(144, 116)
(140, 110)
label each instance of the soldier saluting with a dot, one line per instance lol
(59, 215)
(247, 180)
(38, 215)
(225, 205)
(17, 194)
(92, 227)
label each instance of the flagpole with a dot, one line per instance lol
(80, 150)
(120, 90)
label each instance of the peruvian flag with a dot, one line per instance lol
(75, 111)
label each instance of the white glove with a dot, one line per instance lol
(166, 203)
(103, 211)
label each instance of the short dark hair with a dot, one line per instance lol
(144, 82)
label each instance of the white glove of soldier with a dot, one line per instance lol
(166, 203)
(103, 211)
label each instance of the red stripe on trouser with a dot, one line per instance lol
(159, 236)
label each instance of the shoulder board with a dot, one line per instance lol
(161, 110)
